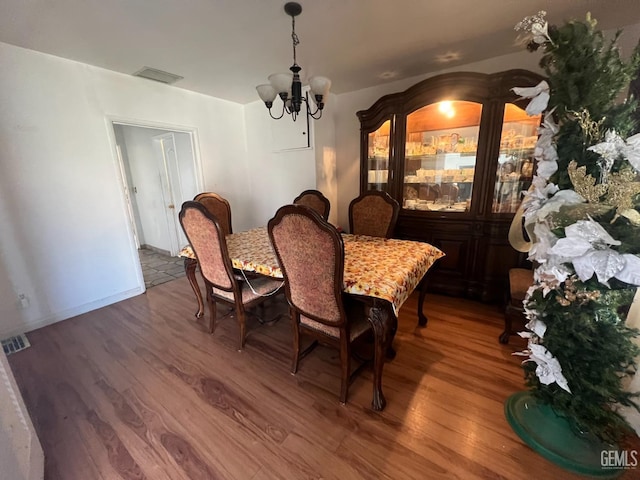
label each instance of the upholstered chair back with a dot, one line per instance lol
(451, 190)
(219, 207)
(429, 192)
(373, 213)
(205, 236)
(316, 201)
(311, 255)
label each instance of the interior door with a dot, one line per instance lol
(171, 188)
(127, 196)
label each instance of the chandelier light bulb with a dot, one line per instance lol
(281, 82)
(267, 93)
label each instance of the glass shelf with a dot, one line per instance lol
(514, 170)
(377, 174)
(440, 156)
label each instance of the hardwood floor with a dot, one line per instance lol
(138, 390)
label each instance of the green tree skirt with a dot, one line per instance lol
(554, 438)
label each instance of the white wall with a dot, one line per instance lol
(279, 175)
(274, 177)
(64, 238)
(325, 157)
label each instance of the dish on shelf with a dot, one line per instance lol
(377, 176)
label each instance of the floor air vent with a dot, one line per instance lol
(15, 344)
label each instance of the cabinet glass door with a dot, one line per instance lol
(378, 158)
(440, 156)
(514, 171)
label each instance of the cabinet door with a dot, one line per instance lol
(440, 156)
(377, 169)
(514, 170)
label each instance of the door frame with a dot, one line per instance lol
(110, 121)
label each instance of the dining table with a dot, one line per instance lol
(381, 272)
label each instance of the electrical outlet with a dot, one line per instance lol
(23, 300)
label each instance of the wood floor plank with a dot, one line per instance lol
(268, 383)
(194, 422)
(57, 430)
(140, 390)
(56, 434)
(118, 413)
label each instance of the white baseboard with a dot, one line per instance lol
(71, 312)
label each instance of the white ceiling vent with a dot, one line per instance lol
(158, 75)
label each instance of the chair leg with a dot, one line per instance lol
(345, 361)
(504, 336)
(212, 312)
(242, 324)
(296, 342)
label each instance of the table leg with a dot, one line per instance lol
(383, 322)
(190, 269)
(422, 318)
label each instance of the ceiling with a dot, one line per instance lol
(225, 48)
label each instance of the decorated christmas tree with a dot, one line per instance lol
(582, 215)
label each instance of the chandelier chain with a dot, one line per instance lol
(294, 38)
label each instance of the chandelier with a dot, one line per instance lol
(288, 85)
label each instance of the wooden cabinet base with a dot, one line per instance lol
(478, 254)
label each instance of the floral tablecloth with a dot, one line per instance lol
(389, 269)
(386, 268)
(249, 251)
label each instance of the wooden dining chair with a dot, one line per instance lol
(310, 252)
(219, 207)
(373, 213)
(520, 279)
(208, 241)
(429, 192)
(451, 190)
(315, 200)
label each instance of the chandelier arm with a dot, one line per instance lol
(318, 110)
(281, 115)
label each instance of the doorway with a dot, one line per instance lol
(159, 172)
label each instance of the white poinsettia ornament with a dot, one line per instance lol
(631, 151)
(539, 96)
(548, 367)
(611, 148)
(587, 246)
(536, 28)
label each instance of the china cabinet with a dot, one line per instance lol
(456, 151)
